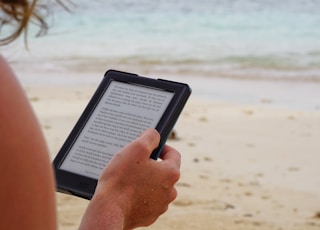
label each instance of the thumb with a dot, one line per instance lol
(143, 146)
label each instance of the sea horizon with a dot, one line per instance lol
(205, 42)
(232, 39)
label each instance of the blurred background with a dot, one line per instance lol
(223, 39)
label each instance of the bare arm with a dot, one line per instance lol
(27, 197)
(134, 190)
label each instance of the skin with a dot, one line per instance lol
(27, 184)
(137, 196)
(132, 191)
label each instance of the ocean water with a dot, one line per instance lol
(213, 38)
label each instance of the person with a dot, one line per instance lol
(132, 191)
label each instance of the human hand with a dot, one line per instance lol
(134, 190)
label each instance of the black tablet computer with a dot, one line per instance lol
(123, 106)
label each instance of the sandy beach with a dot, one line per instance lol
(244, 166)
(249, 135)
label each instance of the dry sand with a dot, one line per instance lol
(243, 166)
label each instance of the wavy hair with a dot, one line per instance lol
(20, 13)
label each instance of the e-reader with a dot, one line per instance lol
(123, 106)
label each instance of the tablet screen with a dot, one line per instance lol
(124, 111)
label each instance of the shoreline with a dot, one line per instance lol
(287, 94)
(204, 68)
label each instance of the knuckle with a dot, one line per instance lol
(174, 175)
(173, 195)
(171, 178)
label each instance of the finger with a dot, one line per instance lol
(150, 131)
(171, 156)
(144, 145)
(171, 161)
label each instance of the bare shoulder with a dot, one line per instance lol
(26, 171)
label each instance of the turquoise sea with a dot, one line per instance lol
(212, 38)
